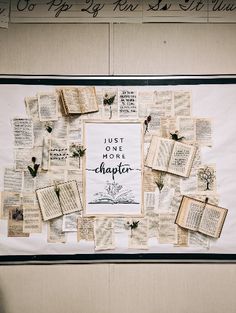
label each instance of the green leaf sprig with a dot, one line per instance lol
(33, 170)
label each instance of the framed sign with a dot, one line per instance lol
(113, 168)
(94, 169)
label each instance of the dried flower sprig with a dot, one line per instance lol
(48, 127)
(132, 225)
(33, 170)
(77, 151)
(175, 136)
(57, 191)
(109, 100)
(160, 181)
(146, 123)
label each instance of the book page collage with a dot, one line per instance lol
(110, 178)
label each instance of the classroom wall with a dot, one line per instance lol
(120, 49)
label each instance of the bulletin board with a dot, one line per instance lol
(103, 152)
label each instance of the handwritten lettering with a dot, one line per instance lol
(220, 5)
(58, 6)
(119, 169)
(93, 8)
(193, 6)
(23, 5)
(159, 6)
(123, 5)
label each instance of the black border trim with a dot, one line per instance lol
(56, 80)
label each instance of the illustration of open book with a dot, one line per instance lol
(54, 201)
(79, 100)
(170, 156)
(201, 216)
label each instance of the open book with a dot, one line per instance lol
(55, 201)
(170, 156)
(201, 216)
(79, 100)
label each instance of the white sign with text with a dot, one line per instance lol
(113, 168)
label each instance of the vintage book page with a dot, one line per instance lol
(8, 200)
(159, 153)
(153, 224)
(175, 203)
(187, 128)
(85, 228)
(167, 228)
(204, 131)
(29, 182)
(120, 224)
(45, 153)
(181, 160)
(163, 101)
(28, 198)
(182, 237)
(32, 222)
(145, 101)
(23, 158)
(75, 129)
(39, 131)
(55, 233)
(78, 177)
(60, 199)
(87, 100)
(58, 153)
(31, 105)
(70, 100)
(15, 222)
(138, 238)
(23, 132)
(188, 185)
(104, 234)
(195, 130)
(70, 223)
(149, 201)
(48, 107)
(182, 103)
(13, 180)
(69, 197)
(150, 178)
(49, 203)
(170, 156)
(190, 213)
(60, 128)
(206, 179)
(168, 125)
(164, 199)
(212, 221)
(197, 239)
(201, 216)
(127, 103)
